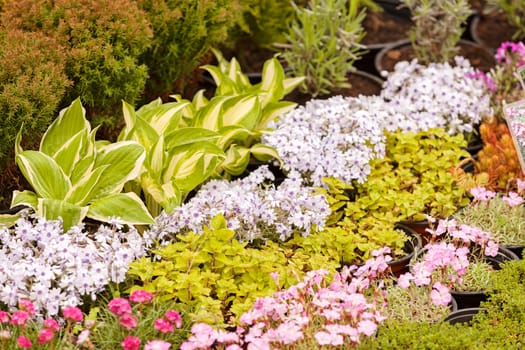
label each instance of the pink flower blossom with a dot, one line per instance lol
(45, 336)
(440, 294)
(83, 336)
(482, 194)
(163, 325)
(73, 313)
(24, 342)
(513, 199)
(366, 327)
(174, 317)
(128, 321)
(51, 324)
(19, 318)
(491, 249)
(157, 345)
(140, 297)
(131, 343)
(4, 317)
(520, 184)
(404, 280)
(119, 306)
(27, 305)
(323, 338)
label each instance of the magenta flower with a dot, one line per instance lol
(24, 342)
(45, 336)
(174, 317)
(367, 327)
(119, 306)
(131, 343)
(491, 249)
(19, 318)
(404, 280)
(163, 325)
(140, 297)
(4, 317)
(51, 324)
(440, 294)
(128, 321)
(27, 305)
(513, 199)
(73, 313)
(157, 345)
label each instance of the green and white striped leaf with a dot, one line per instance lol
(242, 110)
(125, 159)
(237, 159)
(272, 81)
(209, 117)
(27, 198)
(70, 121)
(233, 133)
(264, 153)
(54, 209)
(290, 84)
(189, 135)
(70, 153)
(128, 207)
(43, 173)
(273, 111)
(82, 190)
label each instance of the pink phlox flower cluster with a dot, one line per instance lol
(513, 199)
(339, 311)
(482, 194)
(508, 49)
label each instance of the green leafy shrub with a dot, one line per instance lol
(103, 41)
(184, 31)
(32, 84)
(218, 276)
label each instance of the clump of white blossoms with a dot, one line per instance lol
(252, 208)
(438, 95)
(335, 137)
(54, 269)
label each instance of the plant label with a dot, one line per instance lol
(515, 116)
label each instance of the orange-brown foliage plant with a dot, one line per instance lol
(498, 158)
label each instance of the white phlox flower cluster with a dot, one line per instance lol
(252, 208)
(439, 95)
(54, 269)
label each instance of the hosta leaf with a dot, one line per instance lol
(53, 209)
(244, 111)
(125, 160)
(182, 159)
(70, 121)
(168, 116)
(128, 207)
(69, 154)
(43, 174)
(290, 84)
(237, 159)
(272, 81)
(209, 117)
(81, 192)
(28, 198)
(233, 133)
(264, 153)
(189, 135)
(273, 111)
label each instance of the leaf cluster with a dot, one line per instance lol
(322, 43)
(498, 157)
(32, 85)
(218, 276)
(183, 33)
(102, 41)
(414, 179)
(438, 26)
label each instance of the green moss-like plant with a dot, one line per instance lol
(218, 276)
(103, 41)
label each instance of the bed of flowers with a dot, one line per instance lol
(167, 238)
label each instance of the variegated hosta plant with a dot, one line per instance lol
(74, 176)
(178, 158)
(240, 111)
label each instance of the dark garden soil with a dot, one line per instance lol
(361, 84)
(491, 30)
(383, 28)
(478, 56)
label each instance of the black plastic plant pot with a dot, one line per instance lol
(412, 246)
(463, 315)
